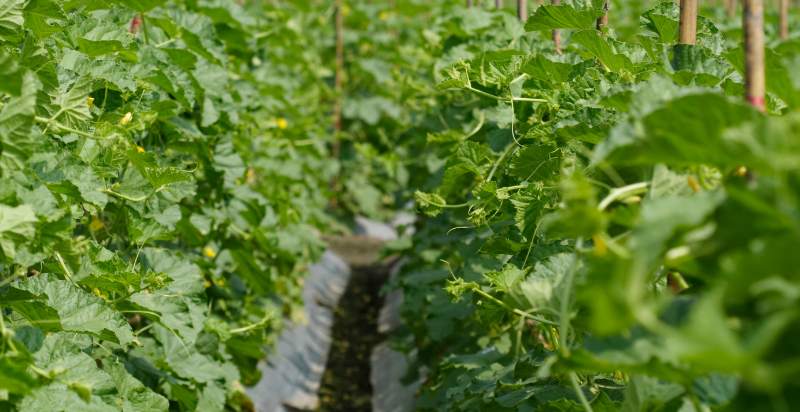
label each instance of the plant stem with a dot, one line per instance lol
(250, 327)
(125, 197)
(64, 267)
(514, 310)
(61, 127)
(144, 29)
(584, 402)
(622, 192)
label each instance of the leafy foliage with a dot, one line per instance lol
(608, 228)
(161, 171)
(604, 227)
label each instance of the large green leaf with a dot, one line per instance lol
(549, 17)
(600, 48)
(50, 302)
(44, 17)
(16, 119)
(71, 103)
(687, 130)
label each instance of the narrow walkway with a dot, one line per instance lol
(324, 364)
(346, 383)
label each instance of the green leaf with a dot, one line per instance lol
(661, 218)
(707, 341)
(104, 38)
(536, 163)
(212, 399)
(159, 177)
(190, 364)
(17, 227)
(647, 393)
(544, 287)
(14, 376)
(11, 18)
(179, 305)
(132, 394)
(666, 27)
(50, 302)
(61, 397)
(70, 103)
(685, 131)
(602, 50)
(11, 74)
(549, 17)
(44, 17)
(140, 5)
(17, 140)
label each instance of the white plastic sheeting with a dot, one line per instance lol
(293, 372)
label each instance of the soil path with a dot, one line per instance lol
(346, 383)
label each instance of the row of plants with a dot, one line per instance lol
(164, 168)
(610, 225)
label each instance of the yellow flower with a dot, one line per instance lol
(209, 252)
(126, 119)
(693, 183)
(281, 123)
(741, 171)
(220, 282)
(100, 294)
(600, 247)
(384, 15)
(96, 224)
(140, 149)
(206, 284)
(90, 101)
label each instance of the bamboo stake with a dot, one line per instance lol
(498, 4)
(730, 7)
(338, 87)
(556, 33)
(784, 20)
(602, 21)
(522, 10)
(339, 76)
(755, 79)
(688, 24)
(469, 3)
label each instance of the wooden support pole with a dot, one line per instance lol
(338, 81)
(688, 24)
(602, 21)
(498, 4)
(522, 10)
(784, 19)
(730, 7)
(338, 88)
(469, 3)
(556, 33)
(755, 79)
